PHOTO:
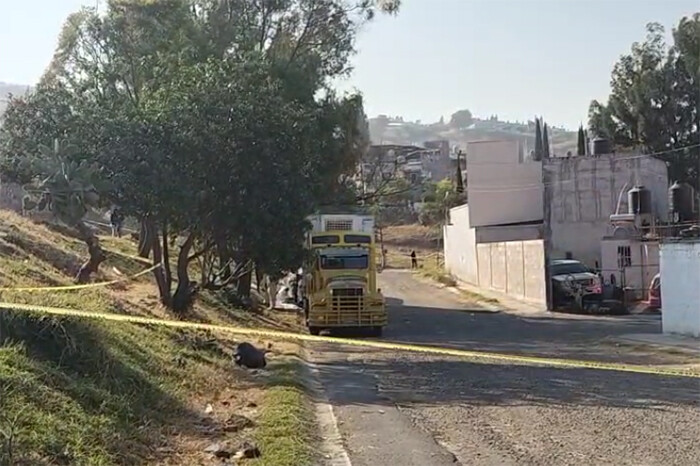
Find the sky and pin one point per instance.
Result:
(512, 58)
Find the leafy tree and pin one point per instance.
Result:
(459, 178)
(461, 119)
(581, 142)
(443, 196)
(653, 102)
(539, 150)
(545, 142)
(208, 124)
(70, 189)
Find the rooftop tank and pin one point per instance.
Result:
(639, 200)
(681, 202)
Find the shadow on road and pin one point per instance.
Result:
(439, 382)
(590, 339)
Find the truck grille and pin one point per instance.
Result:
(347, 299)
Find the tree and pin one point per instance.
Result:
(193, 113)
(69, 188)
(653, 104)
(459, 181)
(581, 142)
(461, 119)
(441, 196)
(545, 142)
(539, 148)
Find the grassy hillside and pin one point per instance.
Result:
(83, 392)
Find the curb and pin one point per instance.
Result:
(332, 449)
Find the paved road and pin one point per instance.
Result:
(424, 410)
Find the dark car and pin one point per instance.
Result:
(573, 283)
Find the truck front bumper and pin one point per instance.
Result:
(326, 318)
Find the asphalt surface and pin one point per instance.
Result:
(415, 409)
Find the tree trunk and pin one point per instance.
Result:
(159, 273)
(97, 255)
(259, 277)
(145, 238)
(167, 274)
(243, 285)
(224, 253)
(182, 299)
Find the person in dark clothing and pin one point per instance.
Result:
(414, 260)
(117, 220)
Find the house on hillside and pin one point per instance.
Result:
(415, 164)
(496, 240)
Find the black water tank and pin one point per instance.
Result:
(639, 200)
(681, 202)
(601, 146)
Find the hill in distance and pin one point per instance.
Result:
(394, 130)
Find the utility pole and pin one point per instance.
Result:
(547, 234)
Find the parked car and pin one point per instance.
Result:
(571, 280)
(655, 292)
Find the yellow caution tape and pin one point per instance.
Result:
(143, 260)
(274, 334)
(80, 287)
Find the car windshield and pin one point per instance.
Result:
(569, 267)
(344, 262)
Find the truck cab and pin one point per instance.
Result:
(340, 282)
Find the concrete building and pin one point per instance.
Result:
(585, 191)
(680, 286)
(439, 164)
(505, 212)
(494, 241)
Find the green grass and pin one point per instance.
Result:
(286, 425)
(84, 392)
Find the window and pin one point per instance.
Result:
(358, 239)
(339, 225)
(344, 262)
(325, 239)
(568, 268)
(624, 257)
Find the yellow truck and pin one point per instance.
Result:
(340, 276)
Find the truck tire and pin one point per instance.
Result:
(314, 330)
(376, 331)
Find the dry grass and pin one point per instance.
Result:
(74, 391)
(400, 240)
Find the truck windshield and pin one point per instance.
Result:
(569, 268)
(344, 262)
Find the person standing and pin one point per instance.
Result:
(414, 260)
(117, 220)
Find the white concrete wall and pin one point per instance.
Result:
(638, 274)
(585, 191)
(680, 287)
(515, 268)
(503, 186)
(459, 240)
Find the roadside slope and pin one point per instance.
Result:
(74, 391)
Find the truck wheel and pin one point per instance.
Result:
(376, 331)
(314, 330)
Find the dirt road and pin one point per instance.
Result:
(413, 409)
